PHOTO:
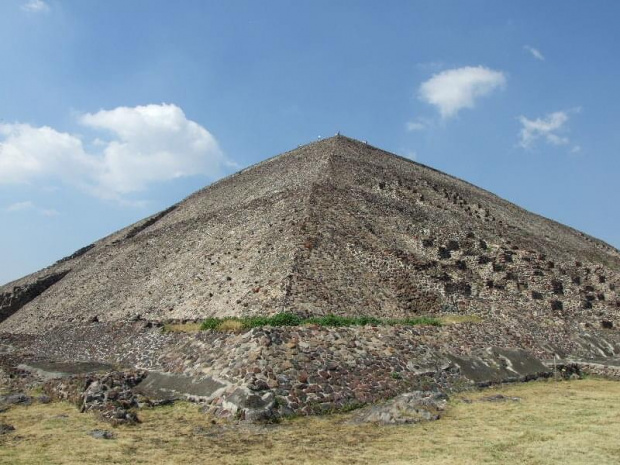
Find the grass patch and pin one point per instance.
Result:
(211, 323)
(458, 319)
(236, 324)
(335, 320)
(576, 422)
(233, 326)
(181, 328)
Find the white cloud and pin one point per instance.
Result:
(146, 144)
(416, 125)
(36, 6)
(549, 128)
(153, 143)
(535, 52)
(49, 212)
(20, 206)
(28, 153)
(30, 206)
(454, 89)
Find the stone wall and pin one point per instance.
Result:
(600, 369)
(274, 371)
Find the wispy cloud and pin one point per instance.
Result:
(455, 89)
(20, 206)
(535, 52)
(144, 145)
(417, 124)
(50, 212)
(30, 206)
(550, 128)
(36, 6)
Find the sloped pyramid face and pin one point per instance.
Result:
(336, 226)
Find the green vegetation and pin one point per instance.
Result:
(290, 319)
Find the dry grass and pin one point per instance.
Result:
(232, 326)
(182, 328)
(457, 319)
(575, 422)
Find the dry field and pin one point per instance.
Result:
(576, 422)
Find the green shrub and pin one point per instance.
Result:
(210, 323)
(255, 321)
(285, 319)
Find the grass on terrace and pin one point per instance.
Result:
(290, 319)
(235, 324)
(576, 422)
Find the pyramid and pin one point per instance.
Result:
(332, 227)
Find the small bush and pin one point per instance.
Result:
(210, 323)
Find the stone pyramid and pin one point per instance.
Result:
(333, 227)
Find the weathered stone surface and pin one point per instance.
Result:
(245, 404)
(14, 299)
(411, 407)
(170, 387)
(336, 227)
(102, 434)
(604, 367)
(110, 395)
(15, 399)
(312, 369)
(499, 365)
(51, 370)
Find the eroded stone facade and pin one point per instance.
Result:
(337, 227)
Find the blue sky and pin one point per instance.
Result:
(113, 110)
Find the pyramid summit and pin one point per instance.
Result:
(333, 227)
